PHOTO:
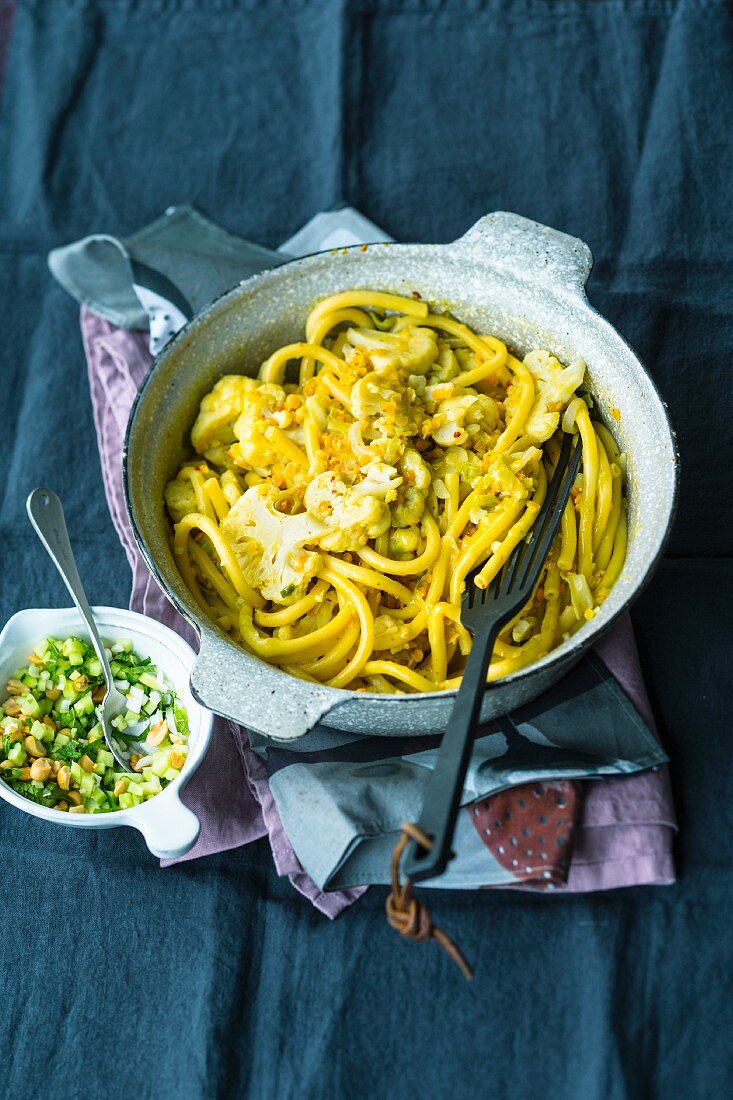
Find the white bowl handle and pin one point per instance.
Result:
(528, 251)
(169, 828)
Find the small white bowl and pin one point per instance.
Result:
(170, 829)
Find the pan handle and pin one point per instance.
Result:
(264, 699)
(529, 251)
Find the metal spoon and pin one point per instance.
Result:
(47, 516)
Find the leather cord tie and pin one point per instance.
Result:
(410, 917)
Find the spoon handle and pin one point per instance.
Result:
(47, 516)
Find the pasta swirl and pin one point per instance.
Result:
(337, 503)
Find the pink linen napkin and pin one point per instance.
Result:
(229, 793)
(625, 825)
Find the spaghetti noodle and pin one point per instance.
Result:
(331, 516)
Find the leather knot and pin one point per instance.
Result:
(410, 917)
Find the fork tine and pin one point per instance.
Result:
(554, 503)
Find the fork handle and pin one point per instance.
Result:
(443, 794)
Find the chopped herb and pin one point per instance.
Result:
(181, 719)
(288, 590)
(73, 751)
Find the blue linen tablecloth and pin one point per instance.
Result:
(611, 120)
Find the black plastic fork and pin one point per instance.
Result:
(483, 613)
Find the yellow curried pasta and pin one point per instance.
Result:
(337, 503)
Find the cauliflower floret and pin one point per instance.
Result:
(260, 409)
(348, 518)
(380, 480)
(413, 350)
(446, 367)
(415, 471)
(179, 497)
(230, 487)
(451, 416)
(269, 545)
(213, 429)
(410, 504)
(369, 396)
(554, 386)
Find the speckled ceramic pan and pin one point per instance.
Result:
(508, 276)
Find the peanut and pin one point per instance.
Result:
(25, 774)
(33, 746)
(14, 687)
(6, 765)
(80, 682)
(63, 777)
(61, 806)
(120, 787)
(11, 708)
(53, 693)
(87, 763)
(40, 769)
(34, 659)
(99, 693)
(74, 797)
(157, 733)
(77, 810)
(177, 759)
(49, 722)
(55, 767)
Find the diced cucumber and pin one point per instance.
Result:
(84, 705)
(77, 772)
(41, 731)
(60, 740)
(171, 774)
(94, 666)
(17, 754)
(161, 762)
(28, 705)
(126, 800)
(105, 758)
(87, 784)
(149, 680)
